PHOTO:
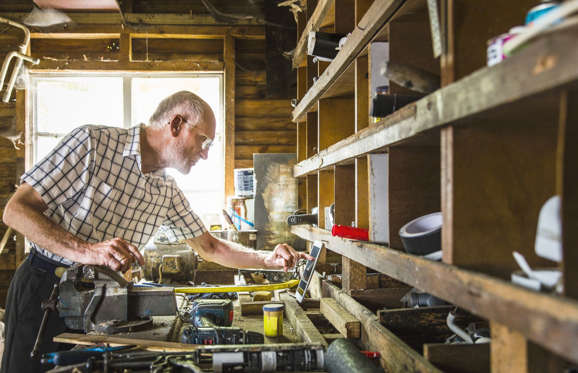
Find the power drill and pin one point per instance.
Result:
(211, 321)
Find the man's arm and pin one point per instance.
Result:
(233, 255)
(24, 213)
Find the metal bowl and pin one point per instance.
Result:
(423, 235)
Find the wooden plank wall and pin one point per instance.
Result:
(262, 124)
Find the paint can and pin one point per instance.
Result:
(273, 319)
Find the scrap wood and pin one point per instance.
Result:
(145, 344)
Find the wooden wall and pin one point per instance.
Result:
(262, 124)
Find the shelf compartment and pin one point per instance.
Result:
(396, 356)
(322, 16)
(550, 321)
(526, 82)
(373, 20)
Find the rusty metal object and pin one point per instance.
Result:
(90, 296)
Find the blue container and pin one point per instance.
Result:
(540, 9)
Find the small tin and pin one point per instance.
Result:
(273, 319)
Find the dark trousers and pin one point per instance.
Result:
(30, 285)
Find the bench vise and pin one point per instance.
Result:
(97, 298)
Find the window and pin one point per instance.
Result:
(62, 102)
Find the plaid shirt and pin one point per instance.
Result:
(94, 188)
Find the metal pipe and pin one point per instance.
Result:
(19, 55)
(456, 329)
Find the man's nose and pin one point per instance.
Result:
(205, 153)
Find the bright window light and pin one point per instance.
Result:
(63, 102)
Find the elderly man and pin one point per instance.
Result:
(100, 194)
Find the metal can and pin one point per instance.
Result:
(273, 319)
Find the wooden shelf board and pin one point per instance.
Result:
(321, 17)
(549, 320)
(373, 20)
(526, 82)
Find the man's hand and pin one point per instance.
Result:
(116, 254)
(284, 256)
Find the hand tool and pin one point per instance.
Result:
(97, 298)
(211, 324)
(47, 306)
(300, 217)
(64, 358)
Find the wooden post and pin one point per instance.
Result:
(229, 58)
(567, 188)
(125, 48)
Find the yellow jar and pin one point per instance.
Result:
(273, 319)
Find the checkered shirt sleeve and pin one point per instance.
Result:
(181, 222)
(65, 171)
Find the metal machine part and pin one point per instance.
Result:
(302, 217)
(20, 56)
(211, 321)
(165, 261)
(343, 356)
(268, 358)
(472, 334)
(245, 358)
(91, 297)
(48, 306)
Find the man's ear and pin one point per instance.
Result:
(176, 124)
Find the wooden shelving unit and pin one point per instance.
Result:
(487, 150)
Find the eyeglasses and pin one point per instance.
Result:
(206, 144)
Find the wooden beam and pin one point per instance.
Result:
(263, 108)
(264, 137)
(317, 18)
(147, 344)
(302, 324)
(396, 356)
(255, 307)
(379, 298)
(567, 184)
(230, 111)
(115, 65)
(457, 358)
(549, 320)
(139, 19)
(247, 151)
(377, 15)
(340, 318)
(527, 83)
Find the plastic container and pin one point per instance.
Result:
(273, 319)
(541, 9)
(354, 233)
(423, 235)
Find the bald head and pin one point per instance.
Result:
(178, 102)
